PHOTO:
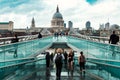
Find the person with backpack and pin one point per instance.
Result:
(82, 61)
(58, 59)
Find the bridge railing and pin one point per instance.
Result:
(7, 40)
(93, 38)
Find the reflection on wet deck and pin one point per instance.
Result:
(49, 74)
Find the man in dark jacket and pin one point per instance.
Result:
(114, 39)
(39, 35)
(47, 59)
(15, 39)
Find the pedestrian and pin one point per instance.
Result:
(14, 40)
(66, 56)
(82, 61)
(51, 57)
(70, 62)
(39, 35)
(114, 39)
(47, 57)
(58, 59)
(47, 60)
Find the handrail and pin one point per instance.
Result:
(100, 43)
(21, 42)
(16, 59)
(22, 63)
(104, 59)
(94, 41)
(7, 40)
(27, 36)
(104, 64)
(101, 63)
(95, 37)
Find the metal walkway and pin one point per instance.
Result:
(38, 71)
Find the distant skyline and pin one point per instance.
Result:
(79, 12)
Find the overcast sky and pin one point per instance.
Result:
(21, 12)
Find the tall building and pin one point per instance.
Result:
(101, 27)
(33, 23)
(107, 26)
(70, 24)
(6, 25)
(57, 19)
(88, 25)
(64, 25)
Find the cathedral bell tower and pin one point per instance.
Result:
(33, 23)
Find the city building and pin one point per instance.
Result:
(115, 27)
(101, 27)
(6, 25)
(88, 25)
(33, 23)
(28, 31)
(64, 25)
(6, 29)
(70, 24)
(107, 26)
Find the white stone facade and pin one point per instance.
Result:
(6, 25)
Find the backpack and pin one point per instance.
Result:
(82, 59)
(58, 59)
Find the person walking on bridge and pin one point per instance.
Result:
(82, 61)
(114, 39)
(58, 59)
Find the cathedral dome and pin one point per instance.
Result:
(57, 19)
(57, 15)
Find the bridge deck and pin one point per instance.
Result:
(49, 74)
